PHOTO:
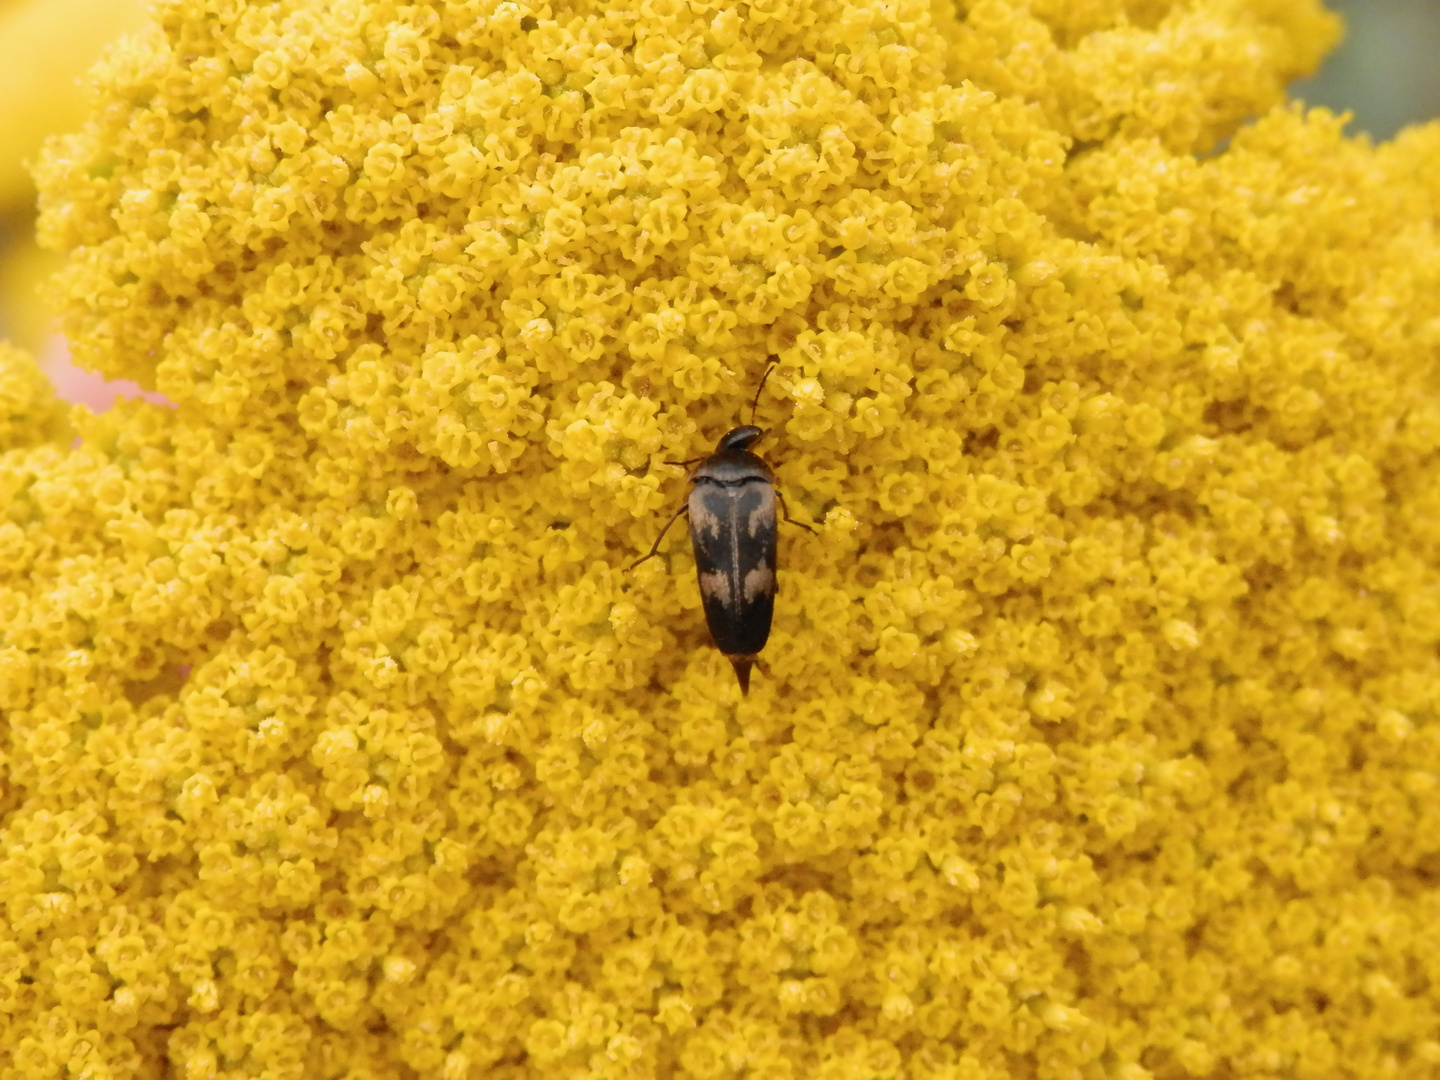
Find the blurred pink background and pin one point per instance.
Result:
(80, 387)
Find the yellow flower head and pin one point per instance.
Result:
(1097, 734)
(45, 48)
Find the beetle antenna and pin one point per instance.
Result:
(755, 404)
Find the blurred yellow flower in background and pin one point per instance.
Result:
(1098, 731)
(46, 47)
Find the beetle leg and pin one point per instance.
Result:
(656, 546)
(691, 461)
(759, 388)
(785, 510)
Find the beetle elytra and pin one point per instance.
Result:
(733, 531)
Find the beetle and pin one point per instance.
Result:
(733, 533)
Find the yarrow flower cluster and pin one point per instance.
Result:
(46, 46)
(1098, 732)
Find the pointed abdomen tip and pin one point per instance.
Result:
(742, 666)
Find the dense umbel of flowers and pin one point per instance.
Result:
(45, 48)
(1098, 732)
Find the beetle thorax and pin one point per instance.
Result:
(732, 467)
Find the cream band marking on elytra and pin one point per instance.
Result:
(716, 584)
(763, 516)
(702, 518)
(758, 582)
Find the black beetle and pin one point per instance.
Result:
(732, 529)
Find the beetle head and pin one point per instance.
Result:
(740, 438)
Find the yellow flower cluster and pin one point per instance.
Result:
(45, 48)
(1098, 733)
